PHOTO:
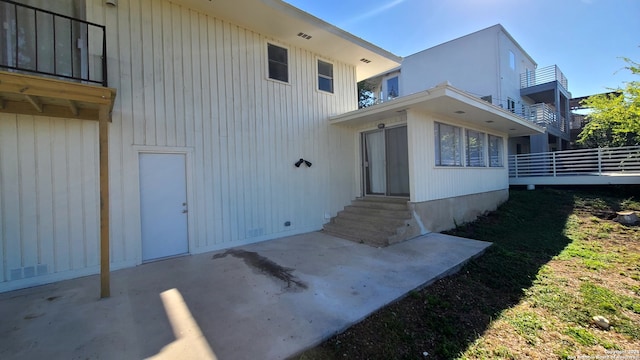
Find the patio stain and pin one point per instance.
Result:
(264, 265)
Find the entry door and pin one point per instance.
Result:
(163, 205)
(386, 162)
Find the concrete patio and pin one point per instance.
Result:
(269, 300)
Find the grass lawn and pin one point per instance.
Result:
(558, 259)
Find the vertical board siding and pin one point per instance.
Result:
(48, 196)
(185, 79)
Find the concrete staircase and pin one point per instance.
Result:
(375, 221)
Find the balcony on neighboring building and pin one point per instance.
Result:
(549, 87)
(52, 64)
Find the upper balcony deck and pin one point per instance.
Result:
(52, 64)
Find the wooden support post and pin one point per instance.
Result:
(103, 135)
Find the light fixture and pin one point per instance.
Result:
(111, 2)
(489, 121)
(381, 126)
(459, 112)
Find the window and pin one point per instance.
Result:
(325, 76)
(511, 105)
(393, 88)
(278, 63)
(512, 60)
(475, 148)
(448, 145)
(495, 151)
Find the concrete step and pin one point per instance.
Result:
(369, 237)
(389, 226)
(380, 204)
(378, 212)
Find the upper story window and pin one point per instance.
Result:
(495, 151)
(448, 145)
(511, 104)
(512, 60)
(278, 63)
(475, 148)
(393, 88)
(325, 76)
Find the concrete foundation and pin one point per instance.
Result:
(444, 214)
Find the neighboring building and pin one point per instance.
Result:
(491, 65)
(208, 108)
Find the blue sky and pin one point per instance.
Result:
(585, 38)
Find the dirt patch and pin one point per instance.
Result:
(265, 266)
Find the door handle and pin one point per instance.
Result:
(185, 211)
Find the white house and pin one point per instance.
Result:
(190, 130)
(490, 64)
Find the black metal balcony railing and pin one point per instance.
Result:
(543, 76)
(42, 42)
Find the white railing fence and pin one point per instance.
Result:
(596, 162)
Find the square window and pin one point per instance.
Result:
(495, 151)
(448, 145)
(475, 148)
(278, 63)
(325, 76)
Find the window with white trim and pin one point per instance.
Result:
(448, 145)
(475, 148)
(325, 76)
(278, 63)
(495, 151)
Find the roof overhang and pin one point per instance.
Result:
(283, 22)
(447, 102)
(37, 95)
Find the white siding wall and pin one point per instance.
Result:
(190, 82)
(429, 182)
(48, 197)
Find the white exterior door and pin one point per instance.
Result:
(163, 205)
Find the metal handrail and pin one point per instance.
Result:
(594, 162)
(21, 50)
(543, 76)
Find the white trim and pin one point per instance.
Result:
(317, 75)
(189, 158)
(268, 42)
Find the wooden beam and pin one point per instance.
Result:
(105, 262)
(35, 102)
(55, 89)
(73, 107)
(1, 103)
(59, 111)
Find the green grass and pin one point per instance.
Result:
(516, 285)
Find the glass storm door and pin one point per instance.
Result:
(386, 162)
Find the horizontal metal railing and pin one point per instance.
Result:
(46, 43)
(595, 162)
(543, 76)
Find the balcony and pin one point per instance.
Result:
(543, 76)
(545, 116)
(52, 64)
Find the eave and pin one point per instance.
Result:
(36, 95)
(447, 102)
(283, 22)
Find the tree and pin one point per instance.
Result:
(366, 96)
(614, 119)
